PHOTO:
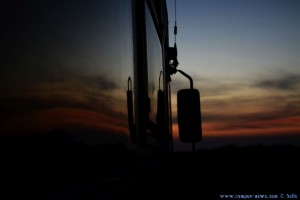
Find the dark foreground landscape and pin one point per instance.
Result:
(37, 168)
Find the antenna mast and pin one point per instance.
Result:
(175, 26)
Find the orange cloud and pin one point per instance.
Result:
(69, 118)
(272, 127)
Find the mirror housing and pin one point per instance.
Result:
(189, 115)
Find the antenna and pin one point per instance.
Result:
(175, 25)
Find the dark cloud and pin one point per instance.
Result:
(17, 105)
(272, 108)
(285, 82)
(87, 93)
(100, 82)
(293, 106)
(210, 87)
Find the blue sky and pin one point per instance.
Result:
(237, 38)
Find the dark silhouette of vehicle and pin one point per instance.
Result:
(151, 27)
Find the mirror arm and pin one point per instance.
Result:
(187, 76)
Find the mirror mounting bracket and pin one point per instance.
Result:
(187, 76)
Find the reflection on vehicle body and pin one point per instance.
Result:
(85, 89)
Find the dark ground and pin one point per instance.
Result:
(45, 169)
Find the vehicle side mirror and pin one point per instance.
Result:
(189, 115)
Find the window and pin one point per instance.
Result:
(155, 63)
(65, 66)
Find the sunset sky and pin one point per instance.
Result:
(67, 66)
(244, 57)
